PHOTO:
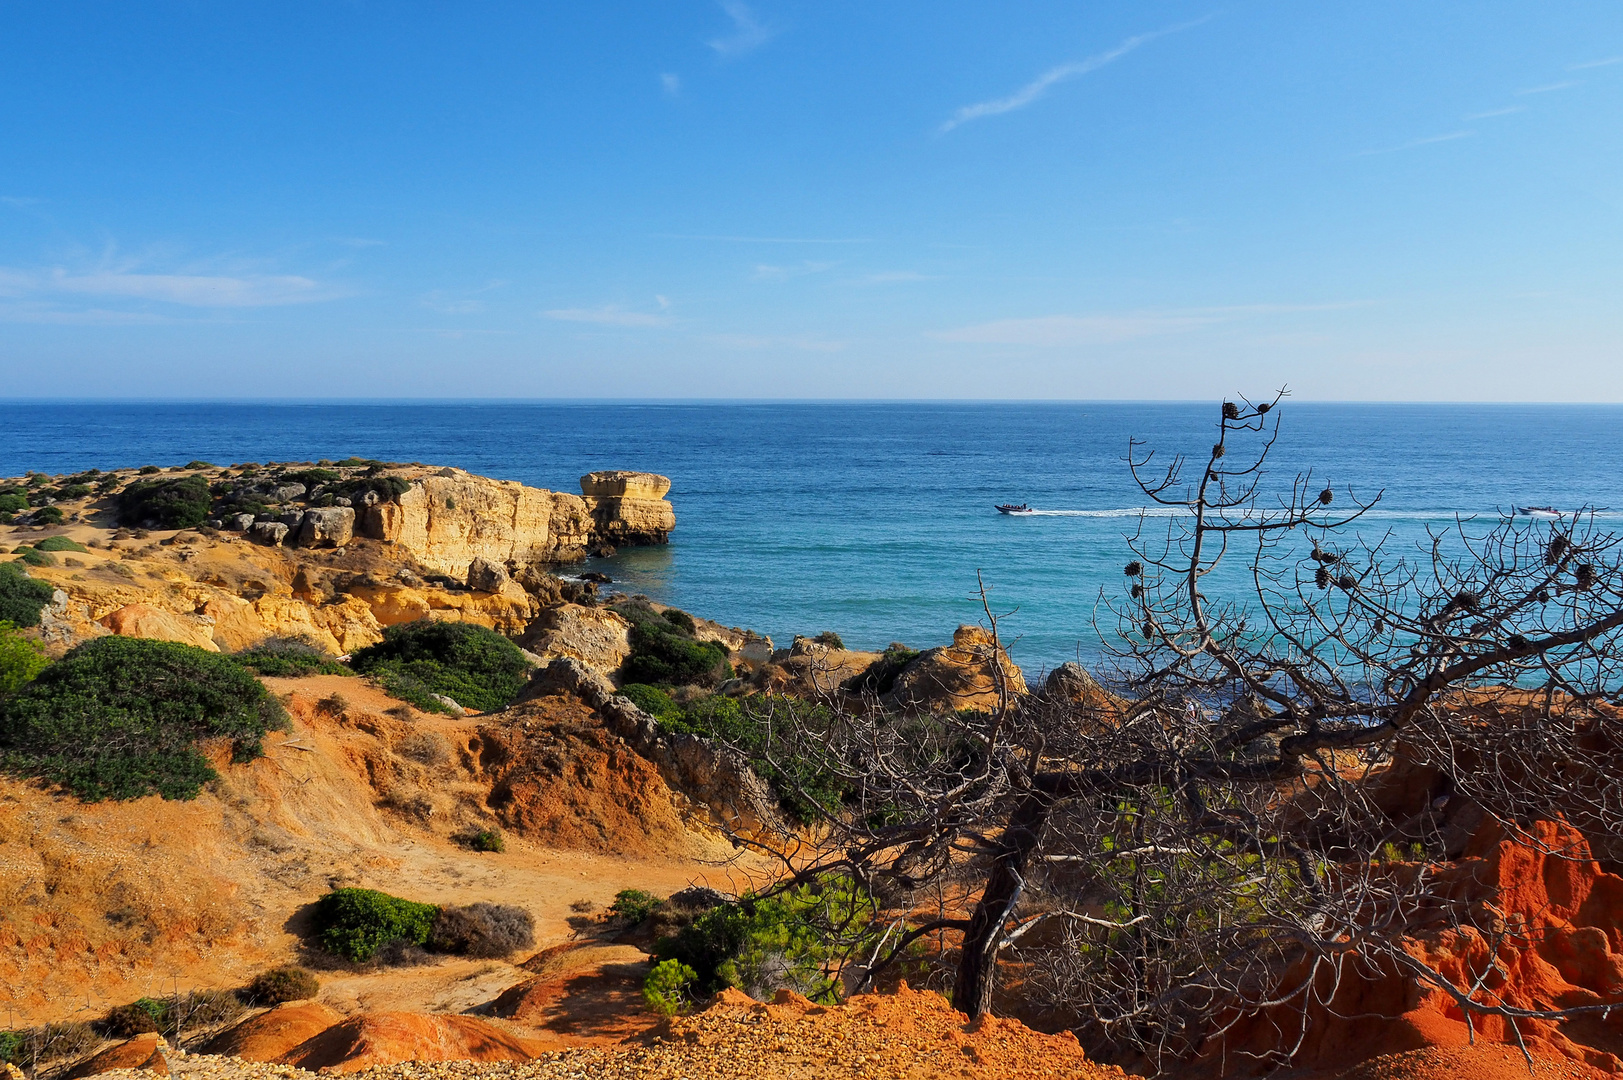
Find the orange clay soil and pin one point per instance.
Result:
(103, 903)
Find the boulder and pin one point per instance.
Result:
(621, 484)
(239, 522)
(144, 1051)
(1071, 682)
(386, 1038)
(968, 674)
(270, 1035)
(270, 533)
(598, 638)
(145, 621)
(328, 526)
(236, 624)
(486, 576)
(282, 493)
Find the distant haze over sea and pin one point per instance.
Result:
(872, 519)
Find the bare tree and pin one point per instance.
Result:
(1152, 866)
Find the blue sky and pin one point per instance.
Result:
(781, 198)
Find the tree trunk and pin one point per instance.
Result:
(977, 963)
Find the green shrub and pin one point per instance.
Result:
(353, 462)
(12, 502)
(669, 987)
(175, 1014)
(198, 465)
(282, 984)
(830, 639)
(473, 665)
(49, 515)
(179, 503)
(138, 1017)
(119, 718)
(59, 543)
(28, 1048)
(681, 620)
(356, 923)
(21, 660)
(288, 658)
(33, 556)
(483, 931)
(22, 598)
(763, 945)
(632, 906)
(388, 488)
(490, 840)
(74, 491)
(880, 676)
(148, 470)
(653, 701)
(406, 687)
(669, 659)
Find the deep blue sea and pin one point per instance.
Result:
(872, 519)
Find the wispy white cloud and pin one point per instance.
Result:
(1050, 331)
(607, 315)
(671, 83)
(1039, 86)
(1550, 89)
(797, 343)
(1412, 143)
(188, 290)
(1506, 111)
(1586, 65)
(765, 272)
(749, 33)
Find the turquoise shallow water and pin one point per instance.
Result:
(873, 519)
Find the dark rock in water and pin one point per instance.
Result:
(597, 578)
(601, 551)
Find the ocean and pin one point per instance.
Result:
(872, 520)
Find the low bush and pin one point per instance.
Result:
(12, 502)
(138, 1017)
(473, 665)
(282, 984)
(174, 1015)
(59, 543)
(668, 989)
(32, 556)
(148, 470)
(632, 906)
(489, 840)
(29, 1048)
(74, 491)
(764, 945)
(310, 477)
(356, 923)
(653, 701)
(484, 931)
(880, 676)
(831, 639)
(49, 515)
(21, 660)
(288, 658)
(388, 488)
(22, 598)
(198, 464)
(119, 718)
(179, 503)
(664, 652)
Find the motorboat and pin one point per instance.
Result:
(1011, 508)
(1538, 511)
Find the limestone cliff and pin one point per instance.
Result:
(449, 518)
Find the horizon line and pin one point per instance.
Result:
(740, 401)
